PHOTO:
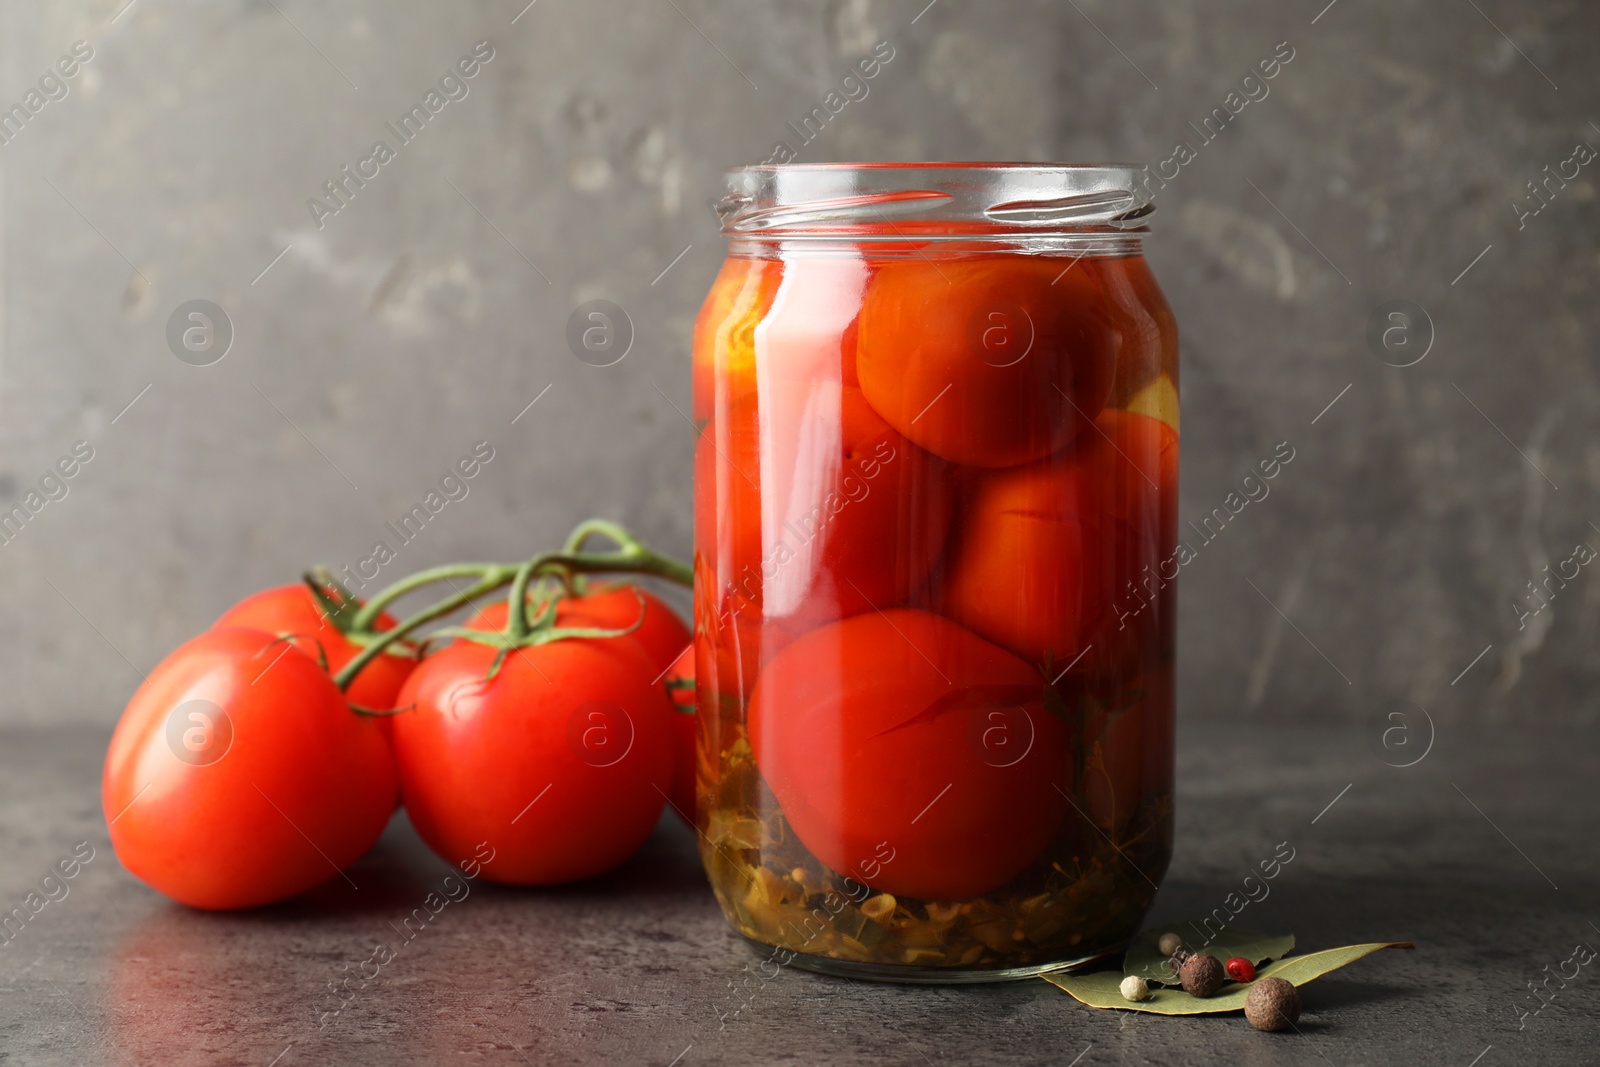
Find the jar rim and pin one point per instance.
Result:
(800, 200)
(937, 164)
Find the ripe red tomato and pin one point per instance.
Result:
(237, 775)
(560, 763)
(990, 361)
(901, 734)
(613, 606)
(667, 645)
(291, 609)
(1044, 555)
(680, 692)
(819, 510)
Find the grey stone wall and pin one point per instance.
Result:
(374, 345)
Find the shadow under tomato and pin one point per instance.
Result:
(401, 869)
(667, 865)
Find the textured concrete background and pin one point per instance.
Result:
(427, 313)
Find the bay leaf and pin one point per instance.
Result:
(1145, 959)
(1102, 989)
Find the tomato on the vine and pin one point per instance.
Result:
(611, 606)
(666, 643)
(989, 361)
(293, 609)
(1048, 560)
(238, 776)
(561, 761)
(900, 734)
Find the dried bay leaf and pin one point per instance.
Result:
(1102, 989)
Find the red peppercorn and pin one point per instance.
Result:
(1241, 969)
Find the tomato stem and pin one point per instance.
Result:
(338, 605)
(517, 604)
(631, 556)
(365, 619)
(493, 577)
(643, 560)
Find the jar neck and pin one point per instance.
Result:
(893, 209)
(906, 246)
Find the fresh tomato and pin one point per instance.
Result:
(815, 509)
(989, 361)
(561, 762)
(1049, 560)
(238, 776)
(666, 643)
(680, 692)
(292, 610)
(613, 606)
(911, 754)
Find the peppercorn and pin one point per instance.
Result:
(1176, 962)
(1169, 943)
(1201, 974)
(1135, 988)
(1273, 1004)
(1241, 969)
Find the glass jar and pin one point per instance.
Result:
(935, 534)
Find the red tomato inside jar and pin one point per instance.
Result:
(935, 552)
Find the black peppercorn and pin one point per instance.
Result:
(1175, 963)
(1202, 975)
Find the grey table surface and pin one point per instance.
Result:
(1482, 853)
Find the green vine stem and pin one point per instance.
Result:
(517, 600)
(631, 556)
(336, 601)
(365, 619)
(493, 578)
(583, 531)
(631, 550)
